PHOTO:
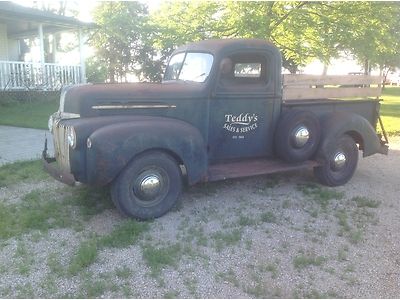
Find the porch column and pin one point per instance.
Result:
(82, 56)
(41, 43)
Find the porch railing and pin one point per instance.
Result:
(15, 75)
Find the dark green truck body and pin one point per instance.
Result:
(210, 127)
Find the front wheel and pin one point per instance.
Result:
(148, 187)
(340, 159)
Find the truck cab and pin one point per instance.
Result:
(220, 112)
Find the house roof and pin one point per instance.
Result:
(23, 21)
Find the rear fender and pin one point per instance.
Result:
(114, 146)
(336, 124)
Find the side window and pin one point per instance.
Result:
(243, 72)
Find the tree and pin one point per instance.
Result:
(302, 30)
(121, 41)
(372, 32)
(284, 23)
(129, 40)
(96, 72)
(175, 24)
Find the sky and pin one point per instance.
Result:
(86, 6)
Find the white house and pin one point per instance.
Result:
(17, 24)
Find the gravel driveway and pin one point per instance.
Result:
(279, 236)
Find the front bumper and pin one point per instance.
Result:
(50, 166)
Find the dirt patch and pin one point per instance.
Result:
(263, 237)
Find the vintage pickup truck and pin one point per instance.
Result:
(223, 110)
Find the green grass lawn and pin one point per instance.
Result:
(390, 110)
(35, 114)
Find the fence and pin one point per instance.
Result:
(36, 76)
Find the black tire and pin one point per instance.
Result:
(286, 146)
(134, 198)
(329, 173)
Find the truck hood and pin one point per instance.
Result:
(94, 99)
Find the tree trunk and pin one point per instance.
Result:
(366, 67)
(325, 70)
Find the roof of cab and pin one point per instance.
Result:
(216, 46)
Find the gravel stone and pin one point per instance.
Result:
(226, 249)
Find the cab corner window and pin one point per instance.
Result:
(243, 72)
(247, 70)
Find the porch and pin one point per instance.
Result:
(15, 75)
(29, 54)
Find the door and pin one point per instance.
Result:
(242, 108)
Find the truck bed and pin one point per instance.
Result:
(367, 108)
(326, 93)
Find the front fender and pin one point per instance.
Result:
(336, 124)
(114, 146)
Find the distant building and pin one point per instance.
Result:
(19, 23)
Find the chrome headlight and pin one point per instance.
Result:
(71, 137)
(50, 124)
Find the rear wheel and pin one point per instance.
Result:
(340, 162)
(148, 187)
(297, 135)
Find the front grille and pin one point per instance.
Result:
(61, 147)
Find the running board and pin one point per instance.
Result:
(245, 168)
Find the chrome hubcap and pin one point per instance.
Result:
(339, 160)
(301, 137)
(150, 186)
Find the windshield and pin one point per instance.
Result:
(189, 67)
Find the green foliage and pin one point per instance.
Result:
(18, 172)
(171, 295)
(303, 261)
(34, 114)
(269, 217)
(131, 40)
(314, 294)
(36, 212)
(320, 195)
(343, 220)
(86, 255)
(25, 291)
(390, 110)
(96, 70)
(228, 276)
(93, 288)
(90, 200)
(372, 32)
(365, 202)
(123, 272)
(246, 221)
(124, 235)
(158, 258)
(121, 41)
(54, 264)
(302, 30)
(226, 239)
